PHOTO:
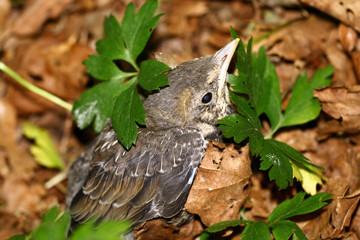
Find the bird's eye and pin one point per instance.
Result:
(206, 98)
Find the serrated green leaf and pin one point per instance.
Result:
(273, 108)
(294, 155)
(284, 229)
(151, 75)
(259, 84)
(129, 110)
(243, 65)
(104, 68)
(217, 227)
(274, 159)
(236, 85)
(303, 107)
(113, 46)
(97, 103)
(321, 77)
(297, 206)
(245, 110)
(241, 127)
(303, 169)
(43, 150)
(253, 79)
(137, 28)
(108, 230)
(256, 231)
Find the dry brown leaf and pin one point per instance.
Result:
(355, 56)
(341, 214)
(159, 229)
(47, 63)
(342, 105)
(347, 11)
(301, 140)
(348, 37)
(220, 187)
(179, 14)
(27, 24)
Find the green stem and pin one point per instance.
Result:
(274, 129)
(268, 34)
(34, 88)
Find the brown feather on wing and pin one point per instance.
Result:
(151, 180)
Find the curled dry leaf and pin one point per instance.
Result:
(220, 187)
(342, 214)
(342, 105)
(347, 11)
(348, 37)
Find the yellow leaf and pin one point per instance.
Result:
(309, 177)
(43, 148)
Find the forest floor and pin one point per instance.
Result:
(45, 41)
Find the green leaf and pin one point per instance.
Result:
(273, 108)
(151, 75)
(284, 229)
(233, 33)
(303, 107)
(106, 100)
(206, 236)
(321, 77)
(243, 64)
(43, 150)
(298, 206)
(217, 227)
(52, 226)
(256, 230)
(137, 28)
(97, 103)
(309, 177)
(294, 155)
(286, 159)
(241, 127)
(18, 237)
(236, 86)
(108, 230)
(273, 158)
(104, 68)
(129, 110)
(113, 46)
(253, 77)
(303, 170)
(259, 84)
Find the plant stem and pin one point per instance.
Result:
(34, 88)
(268, 34)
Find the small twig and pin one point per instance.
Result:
(56, 179)
(34, 88)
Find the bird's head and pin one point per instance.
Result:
(197, 95)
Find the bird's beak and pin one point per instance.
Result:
(223, 58)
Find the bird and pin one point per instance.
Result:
(153, 178)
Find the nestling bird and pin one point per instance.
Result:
(154, 177)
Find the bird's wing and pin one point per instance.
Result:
(151, 180)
